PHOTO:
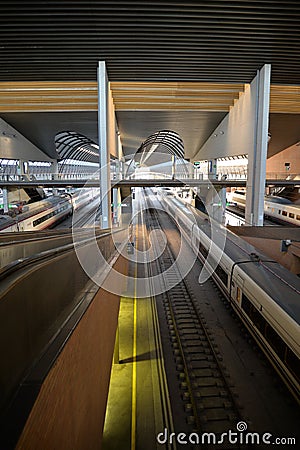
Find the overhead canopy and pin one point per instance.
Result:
(74, 146)
(162, 141)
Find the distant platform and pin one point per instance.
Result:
(267, 232)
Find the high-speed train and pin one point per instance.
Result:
(265, 295)
(81, 198)
(46, 213)
(277, 208)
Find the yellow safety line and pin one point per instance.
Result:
(133, 398)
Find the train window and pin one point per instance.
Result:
(49, 215)
(298, 217)
(273, 338)
(258, 320)
(222, 274)
(246, 304)
(284, 213)
(293, 363)
(292, 215)
(275, 341)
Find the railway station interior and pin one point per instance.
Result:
(149, 224)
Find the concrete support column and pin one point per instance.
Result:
(54, 174)
(54, 169)
(123, 169)
(214, 205)
(212, 169)
(116, 206)
(105, 195)
(120, 158)
(5, 200)
(119, 169)
(254, 214)
(222, 195)
(173, 167)
(22, 167)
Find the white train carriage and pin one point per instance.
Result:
(282, 212)
(265, 295)
(277, 208)
(39, 215)
(83, 197)
(46, 213)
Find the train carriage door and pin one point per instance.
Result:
(239, 289)
(237, 286)
(238, 295)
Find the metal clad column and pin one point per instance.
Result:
(54, 176)
(54, 170)
(254, 214)
(119, 174)
(105, 207)
(212, 169)
(222, 194)
(5, 200)
(116, 206)
(173, 166)
(21, 167)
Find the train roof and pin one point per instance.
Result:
(42, 205)
(269, 198)
(4, 219)
(278, 282)
(34, 208)
(276, 199)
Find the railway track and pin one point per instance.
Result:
(208, 398)
(85, 219)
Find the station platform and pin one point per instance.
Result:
(138, 407)
(135, 414)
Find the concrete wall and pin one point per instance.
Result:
(271, 247)
(285, 131)
(276, 164)
(13, 145)
(268, 240)
(235, 134)
(70, 409)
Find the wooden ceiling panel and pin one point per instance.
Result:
(133, 96)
